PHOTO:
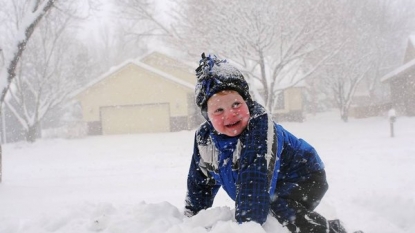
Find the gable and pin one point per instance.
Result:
(408, 67)
(134, 85)
(171, 66)
(156, 62)
(134, 81)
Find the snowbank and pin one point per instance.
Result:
(137, 183)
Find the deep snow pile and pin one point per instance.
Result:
(137, 183)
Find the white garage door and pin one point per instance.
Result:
(149, 118)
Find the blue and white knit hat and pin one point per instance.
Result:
(214, 75)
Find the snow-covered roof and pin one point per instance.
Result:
(139, 64)
(172, 53)
(405, 67)
(398, 71)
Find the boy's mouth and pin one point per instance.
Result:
(232, 124)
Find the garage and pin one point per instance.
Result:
(130, 119)
(150, 95)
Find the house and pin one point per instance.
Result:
(369, 103)
(402, 82)
(147, 95)
(290, 105)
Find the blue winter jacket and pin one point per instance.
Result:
(248, 166)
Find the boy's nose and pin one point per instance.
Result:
(232, 112)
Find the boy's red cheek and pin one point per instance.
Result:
(215, 119)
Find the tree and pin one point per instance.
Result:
(141, 19)
(47, 73)
(21, 18)
(277, 43)
(344, 81)
(25, 29)
(33, 14)
(391, 22)
(138, 25)
(370, 47)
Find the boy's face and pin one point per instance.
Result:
(228, 112)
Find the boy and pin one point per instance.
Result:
(262, 167)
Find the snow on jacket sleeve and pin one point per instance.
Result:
(252, 196)
(201, 189)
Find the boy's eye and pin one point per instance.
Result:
(218, 111)
(236, 105)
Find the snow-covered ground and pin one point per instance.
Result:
(136, 183)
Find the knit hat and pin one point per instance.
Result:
(214, 75)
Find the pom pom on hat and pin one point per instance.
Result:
(214, 75)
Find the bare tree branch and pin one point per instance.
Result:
(27, 29)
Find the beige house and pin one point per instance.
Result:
(290, 106)
(151, 94)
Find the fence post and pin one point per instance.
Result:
(392, 119)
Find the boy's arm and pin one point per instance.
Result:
(201, 190)
(252, 197)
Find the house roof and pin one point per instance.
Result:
(409, 63)
(139, 64)
(408, 67)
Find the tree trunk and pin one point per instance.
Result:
(345, 114)
(31, 133)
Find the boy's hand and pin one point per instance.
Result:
(188, 213)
